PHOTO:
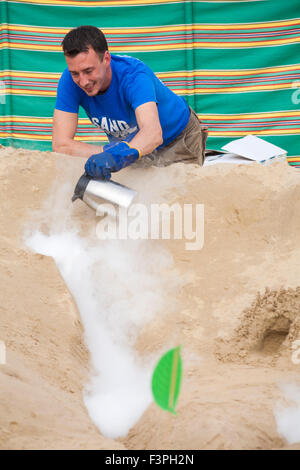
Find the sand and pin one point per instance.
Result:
(237, 312)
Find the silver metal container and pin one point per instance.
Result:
(96, 193)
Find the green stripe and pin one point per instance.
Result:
(36, 106)
(151, 15)
(102, 17)
(269, 10)
(167, 61)
(238, 103)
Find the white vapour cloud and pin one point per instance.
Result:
(288, 418)
(118, 287)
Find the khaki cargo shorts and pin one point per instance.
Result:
(188, 147)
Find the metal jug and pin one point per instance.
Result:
(96, 193)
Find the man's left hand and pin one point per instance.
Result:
(101, 165)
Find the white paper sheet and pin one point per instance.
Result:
(232, 158)
(254, 148)
(227, 158)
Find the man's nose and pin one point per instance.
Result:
(83, 81)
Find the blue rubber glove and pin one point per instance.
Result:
(109, 146)
(118, 156)
(113, 143)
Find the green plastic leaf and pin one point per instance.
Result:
(166, 380)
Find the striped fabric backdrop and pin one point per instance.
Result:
(237, 63)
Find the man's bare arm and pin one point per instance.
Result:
(64, 130)
(149, 136)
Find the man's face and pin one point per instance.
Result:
(89, 72)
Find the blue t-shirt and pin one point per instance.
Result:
(133, 83)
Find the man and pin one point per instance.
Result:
(144, 120)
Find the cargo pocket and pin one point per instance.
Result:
(202, 129)
(193, 143)
(204, 134)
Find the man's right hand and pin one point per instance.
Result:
(63, 133)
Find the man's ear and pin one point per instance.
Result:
(106, 58)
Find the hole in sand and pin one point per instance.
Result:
(272, 342)
(266, 328)
(274, 337)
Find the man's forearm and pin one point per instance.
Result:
(77, 149)
(147, 140)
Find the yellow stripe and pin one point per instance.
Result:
(232, 89)
(104, 3)
(18, 91)
(13, 45)
(203, 45)
(39, 120)
(45, 120)
(265, 115)
(27, 120)
(241, 72)
(257, 132)
(179, 46)
(40, 75)
(154, 29)
(25, 136)
(15, 135)
(33, 29)
(133, 148)
(92, 138)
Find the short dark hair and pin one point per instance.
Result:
(80, 39)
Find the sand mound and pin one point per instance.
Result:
(236, 314)
(267, 328)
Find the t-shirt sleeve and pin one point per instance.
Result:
(140, 89)
(67, 98)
